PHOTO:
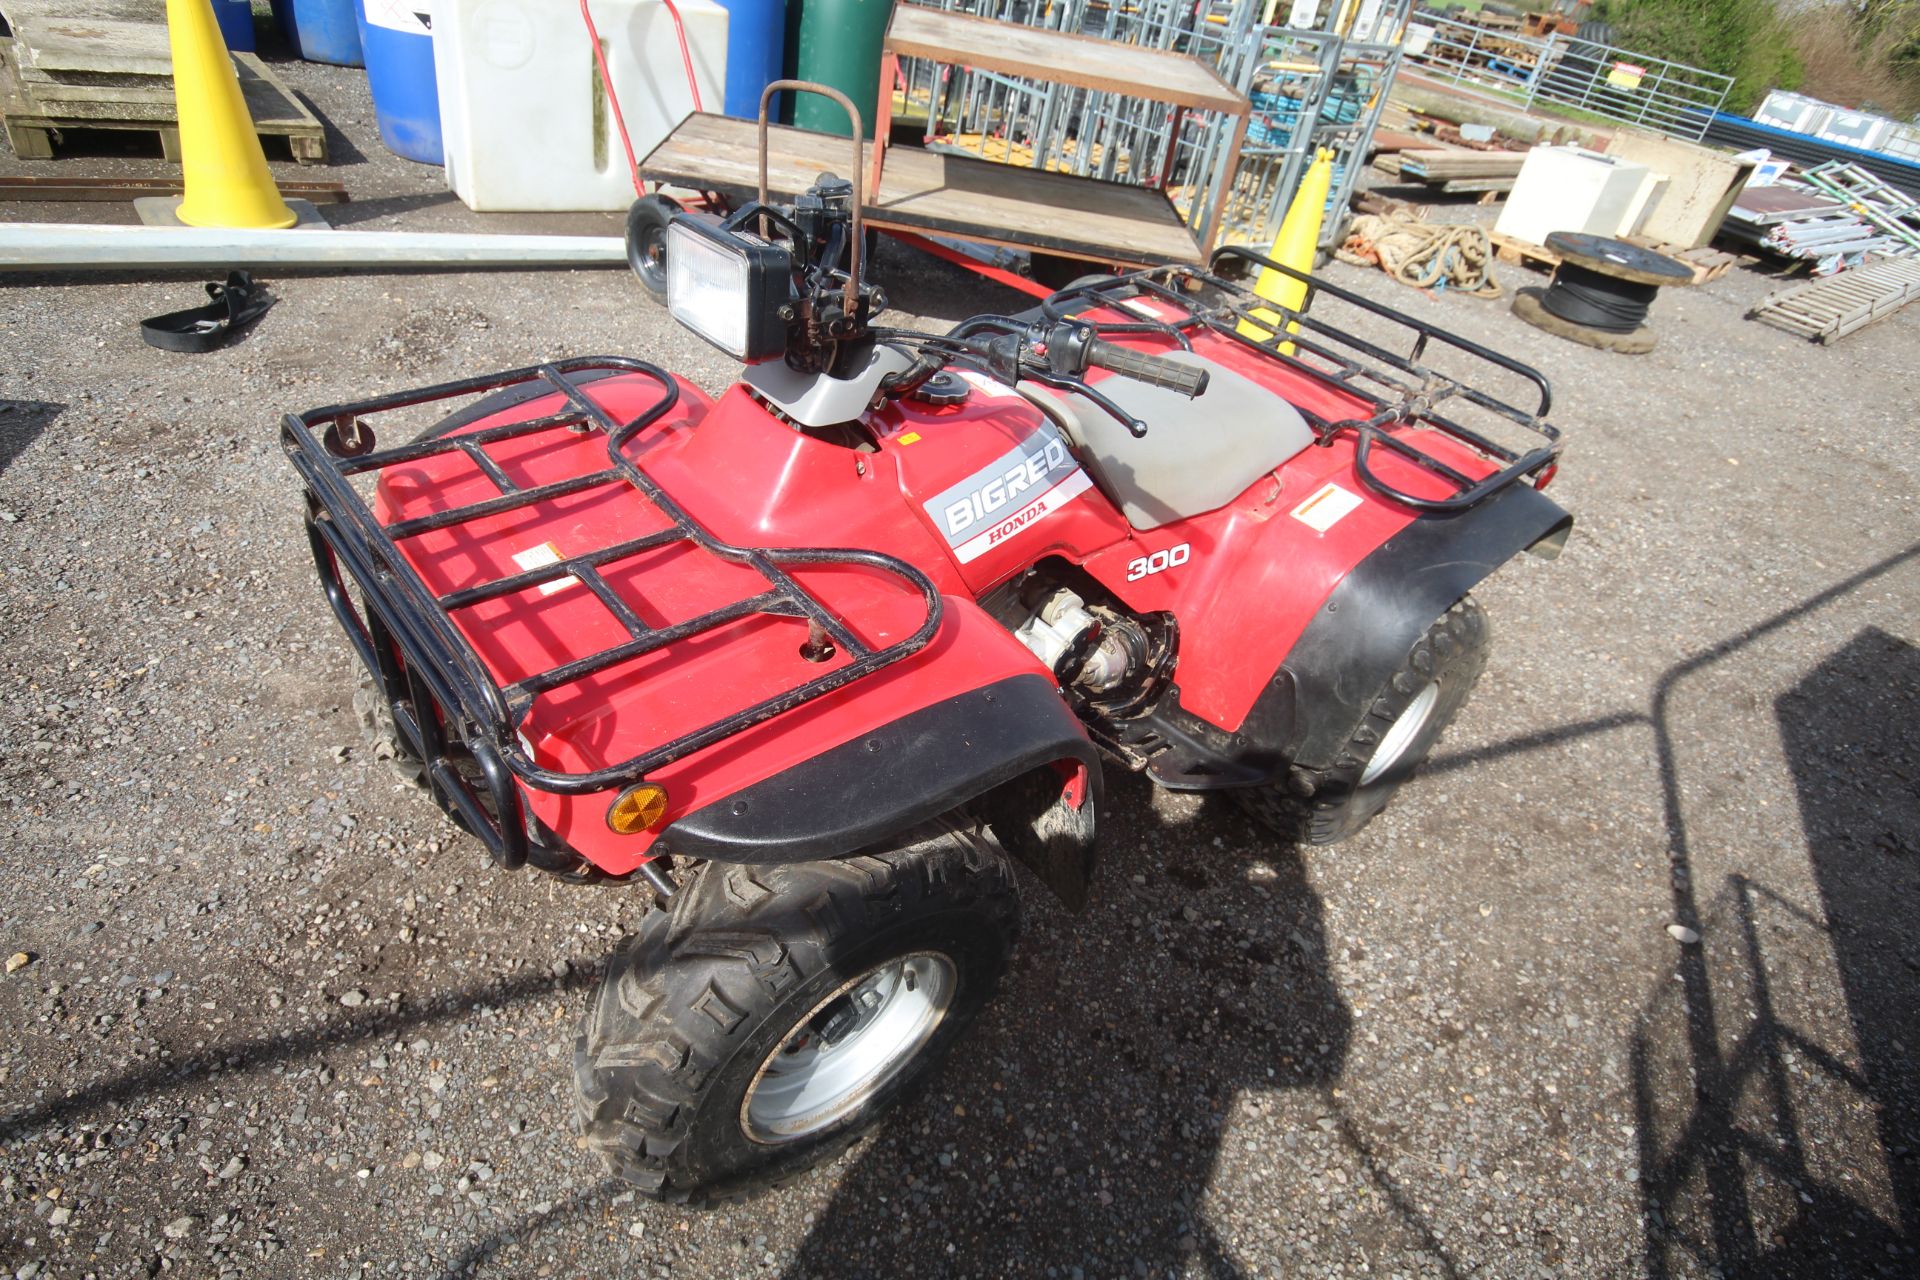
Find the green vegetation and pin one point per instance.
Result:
(1863, 53)
(1746, 39)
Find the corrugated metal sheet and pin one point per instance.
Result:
(1738, 131)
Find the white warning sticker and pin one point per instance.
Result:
(539, 558)
(1326, 508)
(1152, 310)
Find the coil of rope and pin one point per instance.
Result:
(1426, 255)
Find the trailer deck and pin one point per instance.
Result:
(933, 193)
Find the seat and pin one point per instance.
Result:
(1197, 455)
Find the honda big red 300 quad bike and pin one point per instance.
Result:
(816, 661)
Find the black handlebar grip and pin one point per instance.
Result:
(1156, 370)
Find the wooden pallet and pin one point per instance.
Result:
(1516, 252)
(33, 125)
(1707, 264)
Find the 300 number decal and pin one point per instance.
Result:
(1159, 562)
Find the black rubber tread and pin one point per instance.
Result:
(649, 216)
(381, 735)
(1057, 271)
(694, 1001)
(1454, 650)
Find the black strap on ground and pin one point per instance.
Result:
(1607, 303)
(236, 304)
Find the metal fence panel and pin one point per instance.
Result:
(1582, 77)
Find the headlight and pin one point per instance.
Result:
(728, 286)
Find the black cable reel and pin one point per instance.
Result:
(1601, 292)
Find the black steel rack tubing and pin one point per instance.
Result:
(440, 663)
(1417, 396)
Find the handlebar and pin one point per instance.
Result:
(1056, 353)
(1153, 370)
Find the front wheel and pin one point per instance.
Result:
(773, 1014)
(1407, 715)
(647, 242)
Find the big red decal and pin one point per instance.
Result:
(1008, 495)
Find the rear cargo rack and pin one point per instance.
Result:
(1399, 389)
(436, 682)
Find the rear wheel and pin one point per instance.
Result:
(1409, 712)
(382, 735)
(647, 241)
(773, 1014)
(1057, 271)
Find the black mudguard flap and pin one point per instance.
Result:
(858, 794)
(1371, 620)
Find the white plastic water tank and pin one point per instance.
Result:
(523, 116)
(1573, 189)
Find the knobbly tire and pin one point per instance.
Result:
(1408, 714)
(382, 737)
(695, 1041)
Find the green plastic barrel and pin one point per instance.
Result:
(837, 42)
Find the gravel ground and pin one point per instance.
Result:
(1625, 983)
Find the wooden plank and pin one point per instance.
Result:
(94, 44)
(1702, 185)
(1085, 62)
(927, 191)
(88, 86)
(120, 190)
(1456, 164)
(275, 110)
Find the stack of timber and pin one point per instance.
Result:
(1457, 169)
(61, 73)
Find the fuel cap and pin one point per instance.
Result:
(943, 388)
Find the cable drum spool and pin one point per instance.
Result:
(1601, 292)
(1580, 296)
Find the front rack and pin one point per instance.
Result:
(436, 682)
(1397, 389)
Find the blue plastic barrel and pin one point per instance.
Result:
(756, 44)
(321, 30)
(236, 24)
(398, 42)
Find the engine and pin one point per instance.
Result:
(1109, 661)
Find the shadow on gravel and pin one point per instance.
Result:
(1078, 1125)
(1763, 1147)
(21, 422)
(262, 1052)
(1080, 1134)
(1718, 1127)
(354, 211)
(1748, 1166)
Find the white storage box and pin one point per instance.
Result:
(523, 116)
(1572, 189)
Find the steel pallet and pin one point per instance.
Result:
(1827, 310)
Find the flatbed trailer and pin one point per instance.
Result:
(924, 192)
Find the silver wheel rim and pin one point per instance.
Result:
(1402, 732)
(847, 1047)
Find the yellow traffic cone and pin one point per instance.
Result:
(1295, 246)
(220, 158)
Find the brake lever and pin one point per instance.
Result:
(1100, 399)
(1055, 360)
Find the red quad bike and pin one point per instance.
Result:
(815, 662)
